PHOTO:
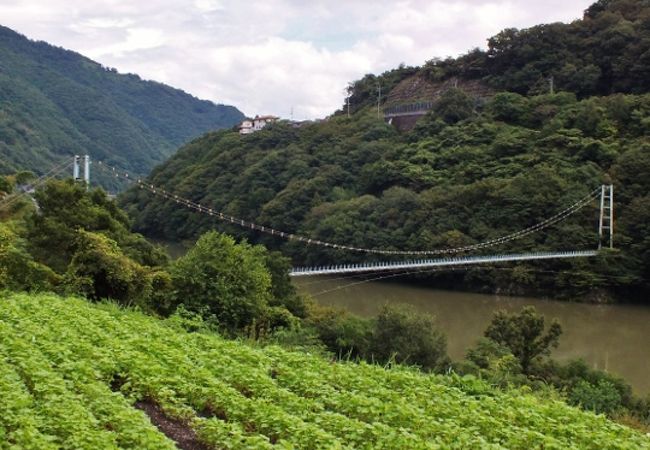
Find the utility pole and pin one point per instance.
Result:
(378, 98)
(346, 91)
(347, 99)
(551, 85)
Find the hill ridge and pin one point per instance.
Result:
(57, 102)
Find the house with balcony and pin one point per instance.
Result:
(249, 126)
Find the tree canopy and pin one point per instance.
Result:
(511, 164)
(524, 333)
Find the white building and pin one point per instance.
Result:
(249, 126)
(246, 127)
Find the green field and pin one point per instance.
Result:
(78, 376)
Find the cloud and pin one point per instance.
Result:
(274, 55)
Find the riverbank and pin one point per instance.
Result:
(610, 337)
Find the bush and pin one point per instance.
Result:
(601, 398)
(341, 333)
(18, 270)
(407, 336)
(486, 352)
(225, 279)
(99, 270)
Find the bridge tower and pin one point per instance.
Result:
(87, 170)
(606, 222)
(76, 168)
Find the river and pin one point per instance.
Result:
(615, 338)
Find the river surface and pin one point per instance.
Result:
(615, 338)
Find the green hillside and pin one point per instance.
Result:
(606, 52)
(54, 102)
(444, 185)
(467, 173)
(77, 376)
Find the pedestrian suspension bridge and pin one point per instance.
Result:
(421, 260)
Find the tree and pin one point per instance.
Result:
(523, 333)
(283, 292)
(222, 278)
(18, 270)
(6, 186)
(454, 105)
(65, 207)
(508, 107)
(405, 335)
(99, 270)
(24, 177)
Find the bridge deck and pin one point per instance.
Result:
(440, 262)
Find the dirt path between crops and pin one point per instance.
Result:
(176, 430)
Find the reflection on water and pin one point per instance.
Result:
(615, 338)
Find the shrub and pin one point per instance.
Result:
(18, 270)
(99, 270)
(223, 278)
(341, 332)
(601, 397)
(405, 335)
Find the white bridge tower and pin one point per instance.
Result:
(75, 168)
(606, 222)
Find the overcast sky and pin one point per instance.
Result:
(267, 57)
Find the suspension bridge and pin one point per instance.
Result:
(421, 260)
(434, 263)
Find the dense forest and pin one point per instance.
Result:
(606, 52)
(465, 174)
(55, 103)
(468, 172)
(443, 185)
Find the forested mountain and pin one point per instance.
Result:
(55, 102)
(467, 173)
(606, 52)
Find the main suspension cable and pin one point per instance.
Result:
(160, 192)
(53, 172)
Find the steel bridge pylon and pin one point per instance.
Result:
(606, 220)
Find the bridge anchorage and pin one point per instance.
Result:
(419, 258)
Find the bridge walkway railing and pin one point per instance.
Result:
(438, 262)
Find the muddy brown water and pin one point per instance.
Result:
(615, 338)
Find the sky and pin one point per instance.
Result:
(274, 56)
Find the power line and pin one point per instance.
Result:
(7, 201)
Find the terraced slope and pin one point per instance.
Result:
(78, 376)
